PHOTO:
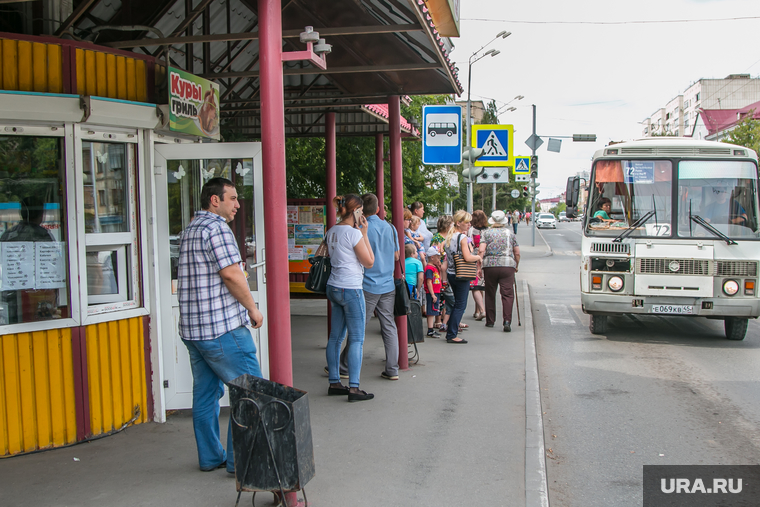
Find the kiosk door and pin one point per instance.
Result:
(181, 170)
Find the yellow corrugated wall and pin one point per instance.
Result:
(116, 373)
(37, 403)
(113, 76)
(30, 66)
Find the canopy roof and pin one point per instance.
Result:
(379, 48)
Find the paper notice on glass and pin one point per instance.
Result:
(292, 214)
(17, 261)
(295, 253)
(309, 234)
(50, 265)
(310, 250)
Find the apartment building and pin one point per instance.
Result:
(680, 114)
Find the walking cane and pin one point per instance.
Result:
(517, 301)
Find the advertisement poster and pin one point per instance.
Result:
(193, 104)
(311, 234)
(311, 215)
(292, 215)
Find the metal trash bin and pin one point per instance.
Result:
(271, 435)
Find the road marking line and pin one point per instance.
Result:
(559, 314)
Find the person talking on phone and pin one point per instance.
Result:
(379, 286)
(215, 308)
(350, 254)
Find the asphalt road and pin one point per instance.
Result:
(653, 390)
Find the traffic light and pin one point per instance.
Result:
(534, 167)
(525, 191)
(469, 156)
(533, 190)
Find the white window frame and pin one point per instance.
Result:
(133, 303)
(67, 133)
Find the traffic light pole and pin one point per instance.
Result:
(533, 183)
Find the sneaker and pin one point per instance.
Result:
(342, 375)
(433, 334)
(389, 377)
(507, 327)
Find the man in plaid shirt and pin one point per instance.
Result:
(215, 306)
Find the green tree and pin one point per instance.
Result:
(746, 133)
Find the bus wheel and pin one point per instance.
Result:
(597, 324)
(736, 329)
(432, 133)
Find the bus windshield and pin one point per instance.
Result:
(624, 192)
(722, 193)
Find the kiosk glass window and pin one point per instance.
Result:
(185, 179)
(108, 178)
(33, 250)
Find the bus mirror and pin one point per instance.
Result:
(571, 195)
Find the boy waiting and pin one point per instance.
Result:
(413, 269)
(433, 289)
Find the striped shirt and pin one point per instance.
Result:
(207, 310)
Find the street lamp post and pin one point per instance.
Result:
(491, 52)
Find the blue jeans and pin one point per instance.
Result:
(514, 227)
(461, 289)
(348, 314)
(213, 363)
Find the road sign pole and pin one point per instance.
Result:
(493, 198)
(469, 138)
(533, 180)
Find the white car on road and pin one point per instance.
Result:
(546, 220)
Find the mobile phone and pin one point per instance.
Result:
(357, 215)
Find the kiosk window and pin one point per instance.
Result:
(33, 251)
(108, 177)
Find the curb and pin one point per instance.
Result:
(536, 488)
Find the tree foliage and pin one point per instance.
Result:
(746, 133)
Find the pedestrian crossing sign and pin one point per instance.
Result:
(496, 141)
(522, 165)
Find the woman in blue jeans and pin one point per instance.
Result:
(458, 242)
(350, 252)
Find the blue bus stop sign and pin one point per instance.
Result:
(442, 135)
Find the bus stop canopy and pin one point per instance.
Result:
(379, 48)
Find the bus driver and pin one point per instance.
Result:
(721, 212)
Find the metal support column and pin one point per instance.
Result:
(380, 176)
(397, 208)
(533, 180)
(331, 187)
(331, 169)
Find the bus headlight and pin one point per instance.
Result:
(615, 283)
(730, 287)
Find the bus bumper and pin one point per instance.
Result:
(608, 304)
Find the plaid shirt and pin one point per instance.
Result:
(207, 310)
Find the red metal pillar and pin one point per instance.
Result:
(397, 209)
(331, 188)
(330, 159)
(380, 177)
(275, 196)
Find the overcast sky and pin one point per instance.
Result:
(598, 66)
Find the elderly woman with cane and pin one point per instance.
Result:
(501, 256)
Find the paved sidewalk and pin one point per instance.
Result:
(451, 431)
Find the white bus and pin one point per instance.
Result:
(670, 227)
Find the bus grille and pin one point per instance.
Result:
(662, 267)
(619, 248)
(736, 268)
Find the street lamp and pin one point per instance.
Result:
(491, 52)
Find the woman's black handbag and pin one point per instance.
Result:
(401, 304)
(319, 272)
